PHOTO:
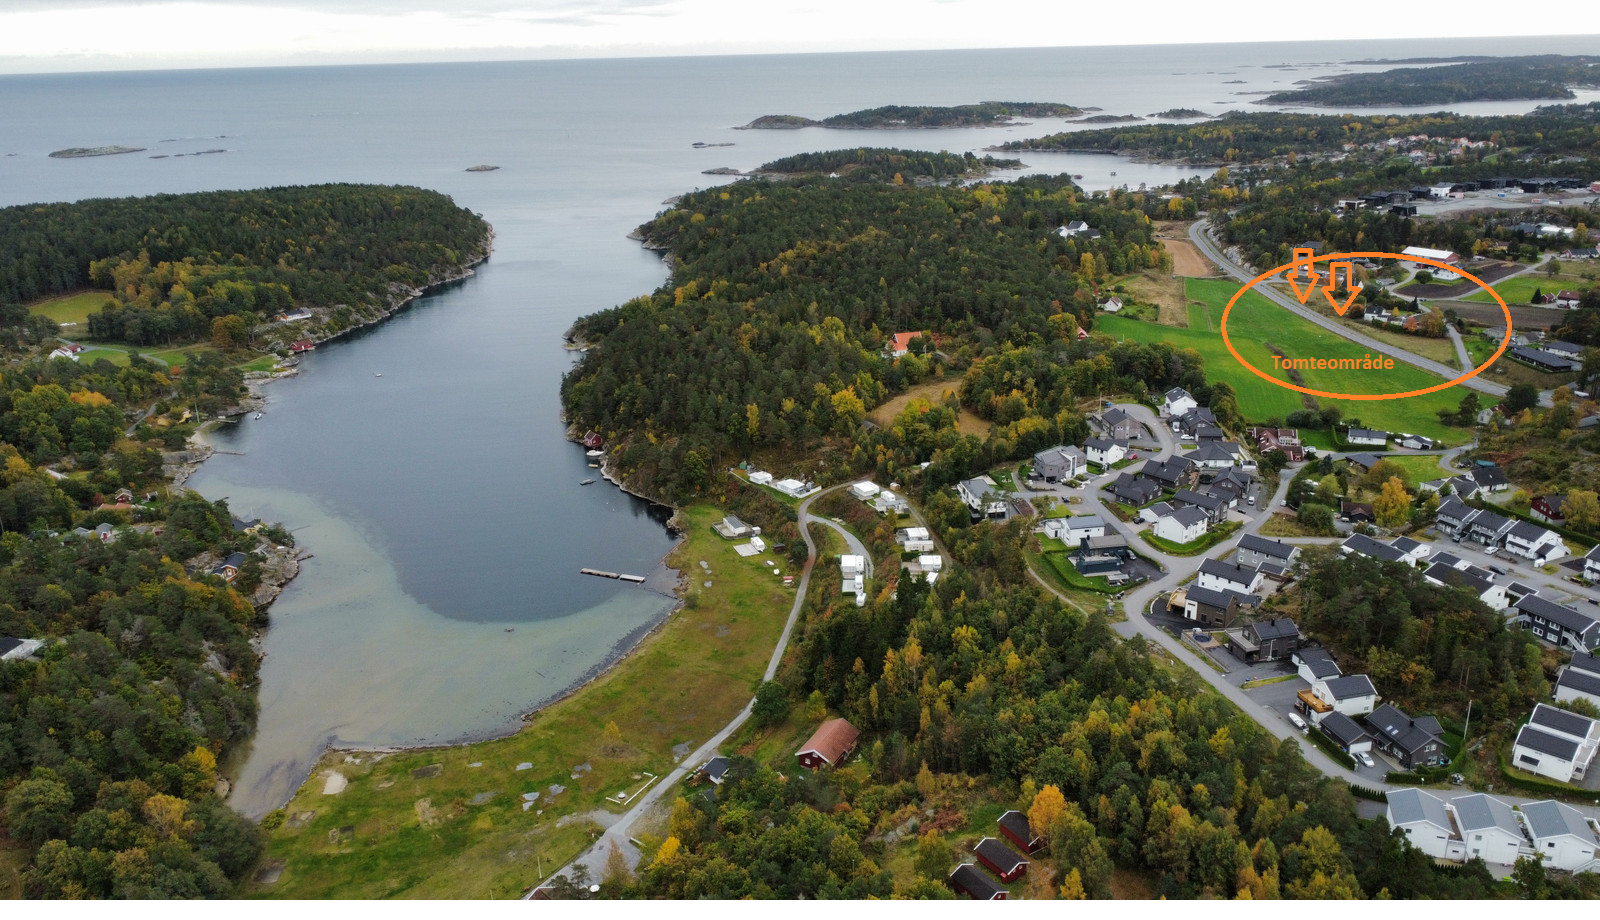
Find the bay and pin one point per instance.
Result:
(440, 501)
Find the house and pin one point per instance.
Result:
(68, 351)
(1422, 817)
(1489, 829)
(1215, 609)
(1586, 253)
(1535, 543)
(1014, 825)
(300, 346)
(1453, 515)
(1215, 506)
(1580, 679)
(1490, 478)
(1228, 576)
(1172, 473)
(1560, 626)
(1356, 512)
(1183, 525)
(1134, 490)
(1215, 455)
(900, 342)
(14, 649)
(829, 745)
(1417, 442)
(1105, 452)
(1284, 439)
(1564, 349)
(1176, 402)
(1437, 255)
(850, 566)
(227, 569)
(978, 493)
(1344, 732)
(1488, 528)
(1102, 556)
(1155, 512)
(1078, 529)
(1077, 228)
(1362, 545)
(1000, 859)
(1414, 742)
(1364, 460)
(1314, 664)
(1366, 437)
(1111, 304)
(715, 770)
(1539, 359)
(971, 881)
(1482, 585)
(1060, 463)
(1267, 640)
(1117, 424)
(1195, 418)
(1414, 551)
(1254, 550)
(761, 478)
(1568, 300)
(1349, 694)
(865, 490)
(793, 488)
(1231, 484)
(1550, 509)
(1556, 743)
(1462, 486)
(1561, 837)
(731, 528)
(1591, 564)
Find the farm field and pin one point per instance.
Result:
(1520, 289)
(1255, 323)
(73, 309)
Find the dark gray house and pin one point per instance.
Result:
(1135, 490)
(1172, 473)
(1267, 640)
(1118, 425)
(1060, 463)
(1417, 742)
(1254, 550)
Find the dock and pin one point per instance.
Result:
(599, 573)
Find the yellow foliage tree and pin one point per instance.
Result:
(1046, 809)
(1393, 503)
(1072, 887)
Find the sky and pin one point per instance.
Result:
(43, 36)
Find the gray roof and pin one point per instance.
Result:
(1560, 720)
(1279, 628)
(1545, 743)
(1413, 806)
(1116, 417)
(1579, 681)
(1102, 444)
(1366, 433)
(975, 882)
(1583, 661)
(1391, 722)
(1527, 530)
(1404, 544)
(1490, 476)
(978, 487)
(1242, 574)
(1366, 546)
(1341, 728)
(995, 851)
(1367, 460)
(1351, 686)
(1480, 812)
(1161, 509)
(1142, 488)
(1553, 819)
(1084, 522)
(1212, 597)
(7, 643)
(1188, 517)
(1319, 662)
(1259, 544)
(1565, 617)
(1201, 499)
(1458, 578)
(1595, 552)
(1455, 509)
(1177, 393)
(1488, 520)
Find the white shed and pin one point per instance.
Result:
(864, 490)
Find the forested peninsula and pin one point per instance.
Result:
(924, 116)
(143, 599)
(1545, 76)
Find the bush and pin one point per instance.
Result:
(1536, 784)
(1371, 795)
(1332, 750)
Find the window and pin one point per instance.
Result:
(1534, 761)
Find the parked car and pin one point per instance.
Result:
(1366, 759)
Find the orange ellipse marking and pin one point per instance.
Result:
(1223, 328)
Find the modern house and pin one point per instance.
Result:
(1422, 817)
(1267, 640)
(1214, 609)
(1562, 837)
(1488, 528)
(1413, 742)
(1490, 478)
(1350, 695)
(1117, 424)
(1414, 551)
(1105, 452)
(1228, 576)
(829, 745)
(1579, 680)
(1000, 859)
(1366, 437)
(1216, 455)
(1254, 550)
(1172, 473)
(1493, 595)
(1015, 827)
(1135, 490)
(1214, 506)
(1489, 829)
(1176, 402)
(1534, 543)
(865, 490)
(982, 497)
(1074, 530)
(731, 528)
(1417, 442)
(1556, 743)
(1060, 463)
(1183, 525)
(1560, 626)
(15, 649)
(973, 882)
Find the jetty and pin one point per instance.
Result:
(599, 573)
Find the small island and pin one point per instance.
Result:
(1181, 113)
(984, 114)
(1545, 76)
(1106, 120)
(74, 153)
(482, 168)
(884, 165)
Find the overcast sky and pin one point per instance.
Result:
(66, 35)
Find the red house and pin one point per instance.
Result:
(1014, 826)
(592, 440)
(302, 345)
(970, 881)
(1000, 859)
(1550, 508)
(829, 746)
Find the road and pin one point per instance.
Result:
(1202, 239)
(851, 540)
(594, 858)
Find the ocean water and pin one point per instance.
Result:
(440, 501)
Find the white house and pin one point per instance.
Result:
(1314, 664)
(914, 533)
(973, 492)
(851, 566)
(761, 478)
(1422, 817)
(1226, 576)
(792, 487)
(1105, 452)
(1366, 436)
(1177, 402)
(1489, 829)
(1414, 552)
(1352, 694)
(864, 490)
(1112, 304)
(1075, 228)
(931, 563)
(1556, 743)
(1530, 541)
(1074, 530)
(1591, 564)
(1579, 680)
(1183, 525)
(1561, 837)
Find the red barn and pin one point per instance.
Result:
(1014, 825)
(968, 880)
(302, 345)
(1000, 859)
(830, 745)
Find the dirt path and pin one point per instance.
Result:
(1187, 262)
(933, 391)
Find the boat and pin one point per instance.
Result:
(380, 375)
(1077, 175)
(1113, 172)
(594, 466)
(258, 415)
(596, 453)
(587, 482)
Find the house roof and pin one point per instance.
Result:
(1413, 806)
(1139, 488)
(1392, 724)
(1086, 521)
(1585, 662)
(1115, 416)
(1212, 597)
(902, 340)
(1366, 433)
(1017, 823)
(1534, 739)
(1102, 444)
(1405, 544)
(975, 882)
(1177, 393)
(1316, 660)
(1002, 857)
(1349, 508)
(1258, 544)
(1169, 470)
(1341, 728)
(1366, 546)
(1488, 520)
(1188, 516)
(716, 768)
(832, 740)
(1280, 628)
(1593, 554)
(7, 643)
(1243, 574)
(1559, 720)
(1459, 578)
(1553, 819)
(1479, 812)
(1351, 687)
(1368, 460)
(1487, 476)
(1202, 499)
(1566, 617)
(1529, 531)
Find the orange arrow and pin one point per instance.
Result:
(1333, 282)
(1311, 285)
(1302, 259)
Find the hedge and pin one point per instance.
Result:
(1371, 795)
(1405, 779)
(1541, 786)
(1332, 750)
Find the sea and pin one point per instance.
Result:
(422, 463)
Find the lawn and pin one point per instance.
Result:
(1256, 321)
(397, 831)
(1194, 547)
(1519, 290)
(1442, 350)
(1420, 468)
(90, 355)
(74, 308)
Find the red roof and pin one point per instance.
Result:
(832, 741)
(902, 340)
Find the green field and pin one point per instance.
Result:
(1420, 467)
(74, 308)
(1518, 290)
(1256, 321)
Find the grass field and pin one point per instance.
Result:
(1520, 289)
(1256, 321)
(74, 308)
(1509, 371)
(1420, 468)
(398, 832)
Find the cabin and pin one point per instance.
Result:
(301, 346)
(973, 882)
(1000, 859)
(829, 745)
(1015, 827)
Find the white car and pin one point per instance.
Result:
(1366, 759)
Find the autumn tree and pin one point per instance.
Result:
(1047, 808)
(1393, 503)
(1582, 509)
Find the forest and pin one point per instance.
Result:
(177, 264)
(1544, 76)
(884, 165)
(925, 116)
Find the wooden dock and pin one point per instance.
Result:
(599, 573)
